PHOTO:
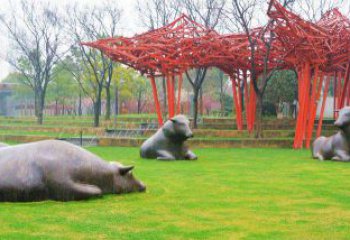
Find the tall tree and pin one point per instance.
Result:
(63, 90)
(129, 85)
(208, 13)
(88, 24)
(282, 87)
(242, 15)
(35, 34)
(217, 86)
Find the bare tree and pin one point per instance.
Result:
(208, 13)
(242, 15)
(34, 31)
(90, 24)
(154, 14)
(313, 10)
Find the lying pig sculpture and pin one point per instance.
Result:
(168, 142)
(336, 147)
(58, 170)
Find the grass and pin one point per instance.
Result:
(226, 194)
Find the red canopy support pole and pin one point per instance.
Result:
(335, 90)
(319, 90)
(339, 87)
(313, 108)
(172, 78)
(235, 100)
(178, 107)
(240, 104)
(246, 98)
(304, 90)
(345, 87)
(173, 81)
(348, 96)
(170, 95)
(307, 103)
(252, 106)
(156, 101)
(299, 70)
(325, 94)
(300, 98)
(253, 110)
(300, 83)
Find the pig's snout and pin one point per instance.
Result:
(142, 188)
(190, 135)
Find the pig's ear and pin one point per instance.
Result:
(125, 170)
(173, 120)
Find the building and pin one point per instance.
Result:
(6, 107)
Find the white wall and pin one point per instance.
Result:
(328, 112)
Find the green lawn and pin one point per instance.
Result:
(226, 194)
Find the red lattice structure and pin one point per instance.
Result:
(318, 51)
(182, 45)
(167, 51)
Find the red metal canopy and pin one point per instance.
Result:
(318, 51)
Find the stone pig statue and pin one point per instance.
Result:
(168, 142)
(58, 170)
(336, 147)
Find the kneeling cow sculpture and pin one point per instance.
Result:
(336, 147)
(59, 170)
(168, 142)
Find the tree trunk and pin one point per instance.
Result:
(195, 108)
(39, 106)
(36, 100)
(241, 88)
(222, 103)
(63, 107)
(165, 112)
(116, 102)
(139, 103)
(97, 107)
(56, 107)
(40, 111)
(201, 105)
(80, 110)
(96, 114)
(108, 103)
(259, 108)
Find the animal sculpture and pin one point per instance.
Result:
(58, 170)
(168, 142)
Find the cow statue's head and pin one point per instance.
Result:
(178, 128)
(343, 121)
